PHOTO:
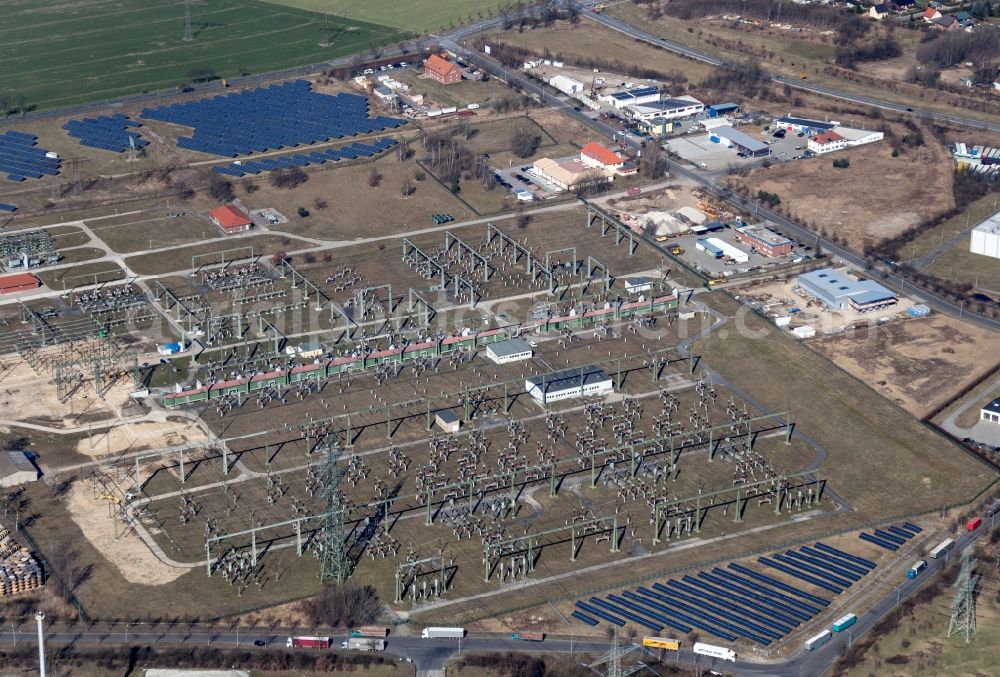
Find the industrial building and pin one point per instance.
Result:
(511, 350)
(858, 137)
(718, 249)
(438, 68)
(986, 237)
(565, 174)
(16, 468)
(793, 124)
(230, 219)
(632, 97)
(991, 412)
(681, 107)
(838, 291)
(719, 110)
(18, 282)
(840, 137)
(566, 85)
(764, 240)
(743, 143)
(560, 385)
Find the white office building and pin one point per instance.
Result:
(561, 385)
(511, 350)
(668, 109)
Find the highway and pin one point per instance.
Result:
(430, 655)
(691, 53)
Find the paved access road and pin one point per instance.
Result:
(691, 53)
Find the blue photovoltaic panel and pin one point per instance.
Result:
(801, 575)
(352, 151)
(778, 584)
(581, 617)
(878, 541)
(270, 118)
(843, 575)
(106, 132)
(836, 561)
(21, 159)
(4, 207)
(829, 549)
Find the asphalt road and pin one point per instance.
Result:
(691, 53)
(432, 654)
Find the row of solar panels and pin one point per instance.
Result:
(106, 132)
(892, 537)
(20, 158)
(350, 152)
(734, 603)
(268, 118)
(4, 207)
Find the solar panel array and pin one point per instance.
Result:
(737, 602)
(270, 118)
(21, 159)
(107, 132)
(892, 537)
(349, 152)
(4, 207)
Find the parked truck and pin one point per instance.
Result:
(370, 631)
(308, 642)
(364, 644)
(916, 569)
(443, 633)
(528, 636)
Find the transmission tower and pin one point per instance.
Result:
(333, 558)
(613, 660)
(963, 607)
(188, 33)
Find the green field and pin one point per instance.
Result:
(56, 53)
(422, 16)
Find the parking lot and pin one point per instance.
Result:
(518, 178)
(698, 149)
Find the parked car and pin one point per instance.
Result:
(259, 642)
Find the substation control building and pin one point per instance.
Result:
(511, 350)
(562, 385)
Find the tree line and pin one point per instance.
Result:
(847, 27)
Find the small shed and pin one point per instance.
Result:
(638, 284)
(169, 348)
(447, 420)
(16, 468)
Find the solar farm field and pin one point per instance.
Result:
(416, 15)
(56, 53)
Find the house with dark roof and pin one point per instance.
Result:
(878, 12)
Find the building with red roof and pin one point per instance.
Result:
(18, 282)
(826, 142)
(596, 155)
(442, 70)
(230, 219)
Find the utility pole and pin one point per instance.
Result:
(963, 607)
(188, 33)
(40, 620)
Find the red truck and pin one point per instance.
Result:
(973, 523)
(308, 642)
(370, 631)
(528, 636)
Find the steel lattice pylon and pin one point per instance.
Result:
(963, 607)
(333, 557)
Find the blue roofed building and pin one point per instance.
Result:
(793, 124)
(838, 291)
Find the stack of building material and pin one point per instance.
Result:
(20, 571)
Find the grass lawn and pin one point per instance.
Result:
(170, 260)
(879, 458)
(422, 16)
(56, 54)
(974, 214)
(958, 263)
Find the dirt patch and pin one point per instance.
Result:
(826, 199)
(20, 384)
(129, 555)
(919, 364)
(133, 437)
